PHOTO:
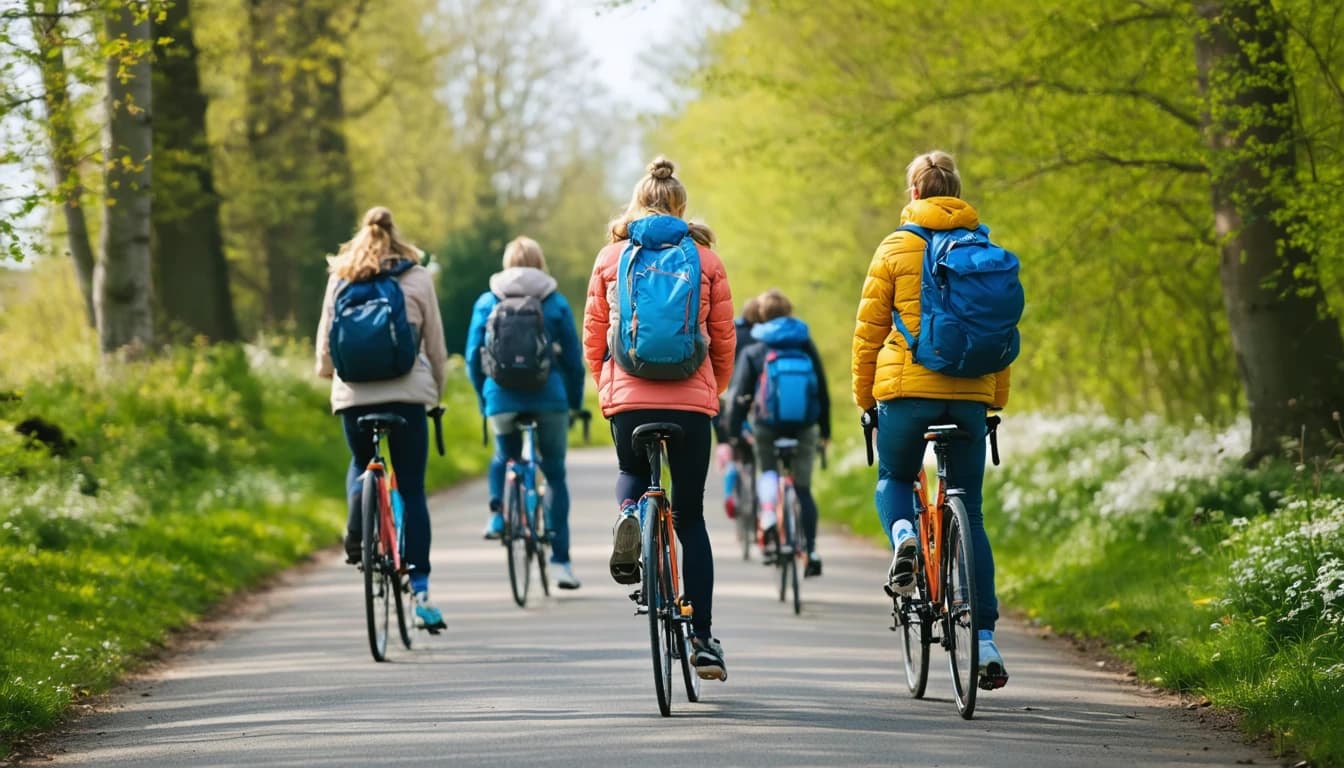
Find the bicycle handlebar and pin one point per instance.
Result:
(436, 414)
(586, 417)
(869, 423)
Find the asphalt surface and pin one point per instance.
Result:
(288, 679)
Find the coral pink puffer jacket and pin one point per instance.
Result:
(618, 390)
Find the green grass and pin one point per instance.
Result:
(190, 477)
(1208, 578)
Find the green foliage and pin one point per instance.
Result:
(1078, 134)
(1210, 579)
(172, 484)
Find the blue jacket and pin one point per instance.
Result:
(564, 388)
(780, 333)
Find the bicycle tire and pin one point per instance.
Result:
(405, 620)
(912, 614)
(376, 592)
(746, 509)
(658, 601)
(517, 549)
(960, 602)
(539, 538)
(682, 637)
(793, 534)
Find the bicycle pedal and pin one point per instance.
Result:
(635, 595)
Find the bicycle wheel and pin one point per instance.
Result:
(682, 649)
(746, 510)
(659, 600)
(540, 538)
(405, 621)
(912, 614)
(377, 590)
(517, 548)
(792, 548)
(959, 602)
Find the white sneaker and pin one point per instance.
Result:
(901, 575)
(564, 576)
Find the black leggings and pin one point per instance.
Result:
(688, 459)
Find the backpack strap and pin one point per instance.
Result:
(400, 267)
(896, 320)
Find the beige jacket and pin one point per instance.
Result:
(424, 384)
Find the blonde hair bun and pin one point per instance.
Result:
(661, 168)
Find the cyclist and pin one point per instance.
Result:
(378, 247)
(780, 333)
(908, 397)
(655, 217)
(732, 454)
(544, 356)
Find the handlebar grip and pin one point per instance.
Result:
(437, 415)
(993, 423)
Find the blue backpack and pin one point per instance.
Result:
(658, 289)
(786, 393)
(970, 301)
(371, 339)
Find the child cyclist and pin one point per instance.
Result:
(654, 222)
(781, 353)
(908, 397)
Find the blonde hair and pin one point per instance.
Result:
(657, 192)
(934, 174)
(773, 304)
(524, 252)
(377, 241)
(751, 311)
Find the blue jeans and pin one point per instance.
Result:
(900, 450)
(408, 448)
(552, 440)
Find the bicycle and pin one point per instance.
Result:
(385, 578)
(744, 493)
(526, 533)
(658, 595)
(792, 540)
(942, 606)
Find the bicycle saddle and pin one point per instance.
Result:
(649, 433)
(946, 432)
(379, 420)
(525, 419)
(786, 443)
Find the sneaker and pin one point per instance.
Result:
(901, 575)
(564, 576)
(770, 544)
(625, 547)
(354, 548)
(707, 658)
(495, 527)
(993, 674)
(427, 615)
(813, 565)
(730, 507)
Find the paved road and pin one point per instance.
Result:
(567, 682)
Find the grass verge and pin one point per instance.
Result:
(150, 491)
(1208, 578)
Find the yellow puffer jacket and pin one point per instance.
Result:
(882, 366)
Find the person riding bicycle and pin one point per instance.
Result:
(654, 223)
(523, 357)
(732, 453)
(378, 249)
(779, 387)
(908, 397)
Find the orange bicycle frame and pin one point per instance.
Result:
(930, 528)
(387, 532)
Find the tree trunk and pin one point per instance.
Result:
(271, 107)
(122, 280)
(64, 147)
(334, 214)
(191, 275)
(1289, 349)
